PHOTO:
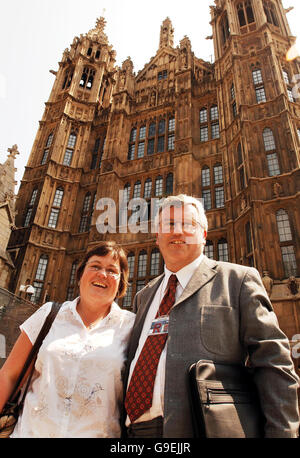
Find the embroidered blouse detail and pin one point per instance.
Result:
(76, 389)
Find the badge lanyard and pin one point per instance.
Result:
(160, 324)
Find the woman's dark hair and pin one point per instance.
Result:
(118, 253)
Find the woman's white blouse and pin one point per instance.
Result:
(76, 389)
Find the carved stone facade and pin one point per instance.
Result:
(7, 213)
(227, 132)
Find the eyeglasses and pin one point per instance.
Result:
(108, 272)
(186, 226)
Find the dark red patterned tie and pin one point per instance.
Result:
(140, 391)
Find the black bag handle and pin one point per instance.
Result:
(33, 353)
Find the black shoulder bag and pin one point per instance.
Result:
(224, 401)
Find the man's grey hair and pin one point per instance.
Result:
(180, 201)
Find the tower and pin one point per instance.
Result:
(260, 136)
(61, 173)
(166, 34)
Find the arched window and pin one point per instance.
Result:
(223, 250)
(87, 78)
(218, 174)
(151, 138)
(286, 243)
(68, 78)
(272, 158)
(70, 149)
(283, 225)
(49, 140)
(241, 14)
(214, 113)
(141, 143)
(271, 14)
(127, 300)
(248, 237)
(240, 159)
(30, 207)
(209, 249)
(269, 140)
(259, 85)
(289, 88)
(205, 176)
(169, 184)
(205, 183)
(56, 205)
(225, 29)
(72, 282)
(240, 168)
(245, 13)
(137, 190)
(155, 261)
(127, 191)
(47, 147)
(209, 130)
(171, 133)
(158, 186)
(142, 264)
(147, 195)
(131, 150)
(133, 134)
(219, 190)
(97, 152)
(233, 101)
(249, 244)
(40, 275)
(215, 130)
(161, 136)
(206, 196)
(203, 115)
(219, 197)
(85, 213)
(131, 262)
(289, 261)
(286, 77)
(148, 188)
(249, 12)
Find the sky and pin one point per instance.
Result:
(34, 34)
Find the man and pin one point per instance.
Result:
(209, 310)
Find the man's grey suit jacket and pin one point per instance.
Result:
(223, 314)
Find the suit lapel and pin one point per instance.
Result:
(205, 273)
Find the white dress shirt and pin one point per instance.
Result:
(183, 275)
(76, 389)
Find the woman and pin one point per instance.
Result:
(76, 389)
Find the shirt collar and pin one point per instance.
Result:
(185, 274)
(115, 309)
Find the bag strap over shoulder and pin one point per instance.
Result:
(34, 351)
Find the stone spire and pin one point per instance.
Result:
(166, 34)
(97, 33)
(7, 177)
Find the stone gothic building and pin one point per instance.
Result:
(227, 132)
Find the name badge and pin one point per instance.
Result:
(159, 326)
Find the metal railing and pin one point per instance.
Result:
(14, 310)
